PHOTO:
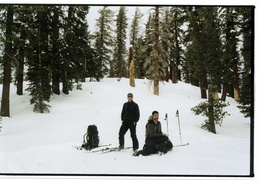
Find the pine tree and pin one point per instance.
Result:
(246, 96)
(140, 57)
(135, 27)
(7, 59)
(104, 41)
(206, 109)
(204, 50)
(38, 58)
(177, 20)
(155, 54)
(147, 48)
(230, 55)
(19, 46)
(195, 62)
(213, 50)
(77, 44)
(135, 39)
(246, 90)
(165, 41)
(56, 46)
(82, 44)
(119, 63)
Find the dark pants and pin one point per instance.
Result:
(124, 128)
(152, 144)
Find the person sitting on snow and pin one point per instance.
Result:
(156, 141)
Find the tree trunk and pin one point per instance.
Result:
(174, 74)
(177, 59)
(65, 89)
(203, 88)
(21, 63)
(8, 55)
(131, 67)
(166, 75)
(224, 92)
(156, 58)
(212, 127)
(65, 66)
(56, 59)
(236, 90)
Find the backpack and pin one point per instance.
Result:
(91, 138)
(169, 145)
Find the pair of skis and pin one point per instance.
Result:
(177, 115)
(110, 149)
(103, 149)
(81, 148)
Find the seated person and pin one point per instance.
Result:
(156, 141)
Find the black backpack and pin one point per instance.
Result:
(91, 138)
(169, 145)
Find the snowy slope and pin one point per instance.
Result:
(43, 143)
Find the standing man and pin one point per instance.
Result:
(129, 116)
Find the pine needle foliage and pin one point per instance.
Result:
(217, 109)
(104, 41)
(120, 51)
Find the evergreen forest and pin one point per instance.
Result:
(51, 47)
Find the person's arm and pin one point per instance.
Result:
(122, 112)
(137, 113)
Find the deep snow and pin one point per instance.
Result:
(33, 143)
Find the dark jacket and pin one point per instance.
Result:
(130, 112)
(152, 129)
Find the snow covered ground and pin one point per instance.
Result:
(33, 143)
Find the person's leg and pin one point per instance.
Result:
(123, 129)
(134, 136)
(149, 147)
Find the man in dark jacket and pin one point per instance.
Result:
(156, 141)
(129, 116)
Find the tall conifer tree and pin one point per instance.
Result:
(230, 35)
(120, 51)
(134, 40)
(7, 59)
(56, 47)
(177, 19)
(165, 41)
(246, 91)
(38, 59)
(104, 41)
(204, 50)
(155, 54)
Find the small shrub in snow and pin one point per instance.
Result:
(216, 113)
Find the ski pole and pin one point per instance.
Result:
(177, 115)
(166, 118)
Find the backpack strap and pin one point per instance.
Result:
(85, 138)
